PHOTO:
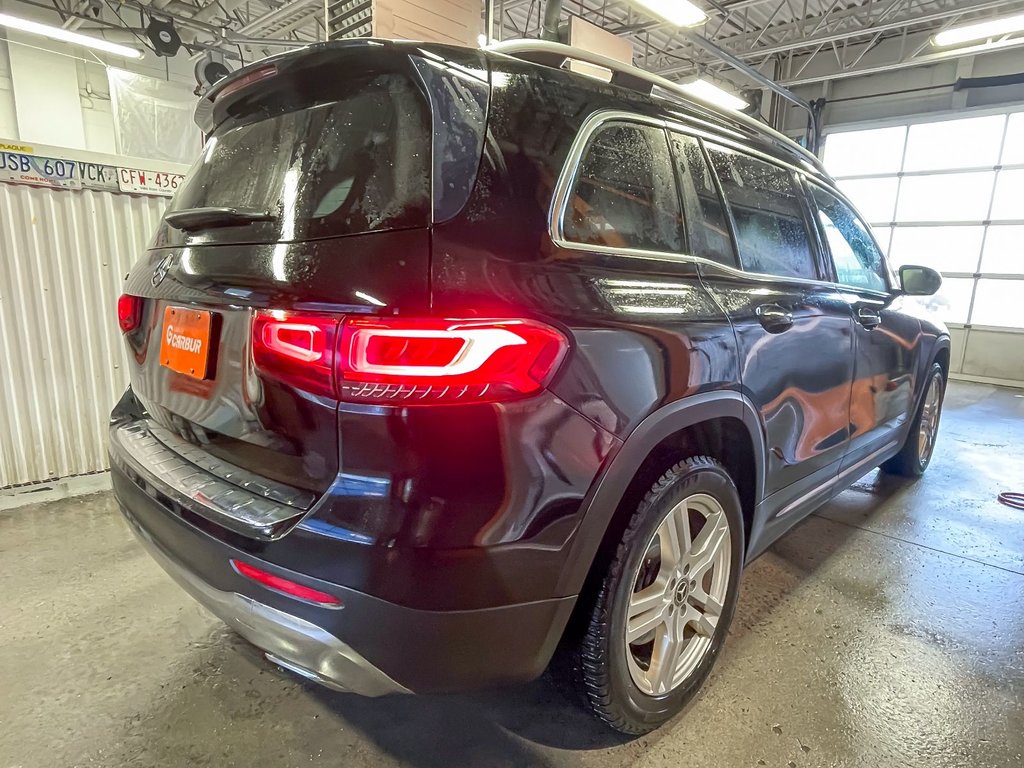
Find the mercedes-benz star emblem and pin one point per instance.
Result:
(162, 268)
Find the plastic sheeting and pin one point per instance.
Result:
(153, 118)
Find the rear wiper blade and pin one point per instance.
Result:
(193, 219)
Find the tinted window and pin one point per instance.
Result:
(765, 202)
(359, 163)
(706, 221)
(857, 259)
(458, 101)
(625, 193)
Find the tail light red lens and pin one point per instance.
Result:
(298, 349)
(129, 312)
(408, 361)
(285, 586)
(446, 361)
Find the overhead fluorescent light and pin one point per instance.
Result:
(67, 36)
(982, 30)
(682, 13)
(707, 91)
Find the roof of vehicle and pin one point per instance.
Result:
(663, 96)
(661, 91)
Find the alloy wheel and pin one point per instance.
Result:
(678, 595)
(929, 420)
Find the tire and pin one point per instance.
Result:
(916, 453)
(610, 672)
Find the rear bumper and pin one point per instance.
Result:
(370, 646)
(288, 640)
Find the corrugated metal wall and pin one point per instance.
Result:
(63, 255)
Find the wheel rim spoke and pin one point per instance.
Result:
(704, 623)
(646, 611)
(707, 603)
(710, 540)
(674, 535)
(664, 658)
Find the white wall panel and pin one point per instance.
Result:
(63, 256)
(46, 95)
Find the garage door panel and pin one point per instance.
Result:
(1004, 250)
(875, 199)
(945, 249)
(1013, 149)
(998, 303)
(995, 355)
(859, 153)
(945, 197)
(972, 142)
(1007, 203)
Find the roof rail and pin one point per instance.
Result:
(557, 54)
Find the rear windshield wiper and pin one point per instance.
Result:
(193, 219)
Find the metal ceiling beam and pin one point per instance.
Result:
(281, 12)
(799, 42)
(913, 60)
(213, 8)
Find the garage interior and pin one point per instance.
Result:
(887, 629)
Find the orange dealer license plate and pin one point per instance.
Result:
(185, 342)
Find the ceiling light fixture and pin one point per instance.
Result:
(66, 36)
(982, 30)
(682, 13)
(707, 91)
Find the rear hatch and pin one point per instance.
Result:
(313, 199)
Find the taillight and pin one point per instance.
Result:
(445, 361)
(298, 349)
(129, 312)
(286, 586)
(407, 361)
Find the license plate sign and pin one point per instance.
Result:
(185, 342)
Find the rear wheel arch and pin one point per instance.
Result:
(722, 425)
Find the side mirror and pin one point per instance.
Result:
(919, 281)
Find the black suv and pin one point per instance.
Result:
(444, 361)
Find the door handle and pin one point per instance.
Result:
(774, 318)
(869, 318)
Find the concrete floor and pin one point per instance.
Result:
(887, 630)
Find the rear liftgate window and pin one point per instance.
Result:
(360, 163)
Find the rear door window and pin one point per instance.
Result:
(357, 163)
(706, 222)
(767, 208)
(624, 194)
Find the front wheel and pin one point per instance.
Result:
(916, 454)
(666, 602)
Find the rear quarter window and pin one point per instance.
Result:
(624, 193)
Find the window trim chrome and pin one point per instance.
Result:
(570, 171)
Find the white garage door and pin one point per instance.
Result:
(948, 193)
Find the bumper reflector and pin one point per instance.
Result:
(286, 587)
